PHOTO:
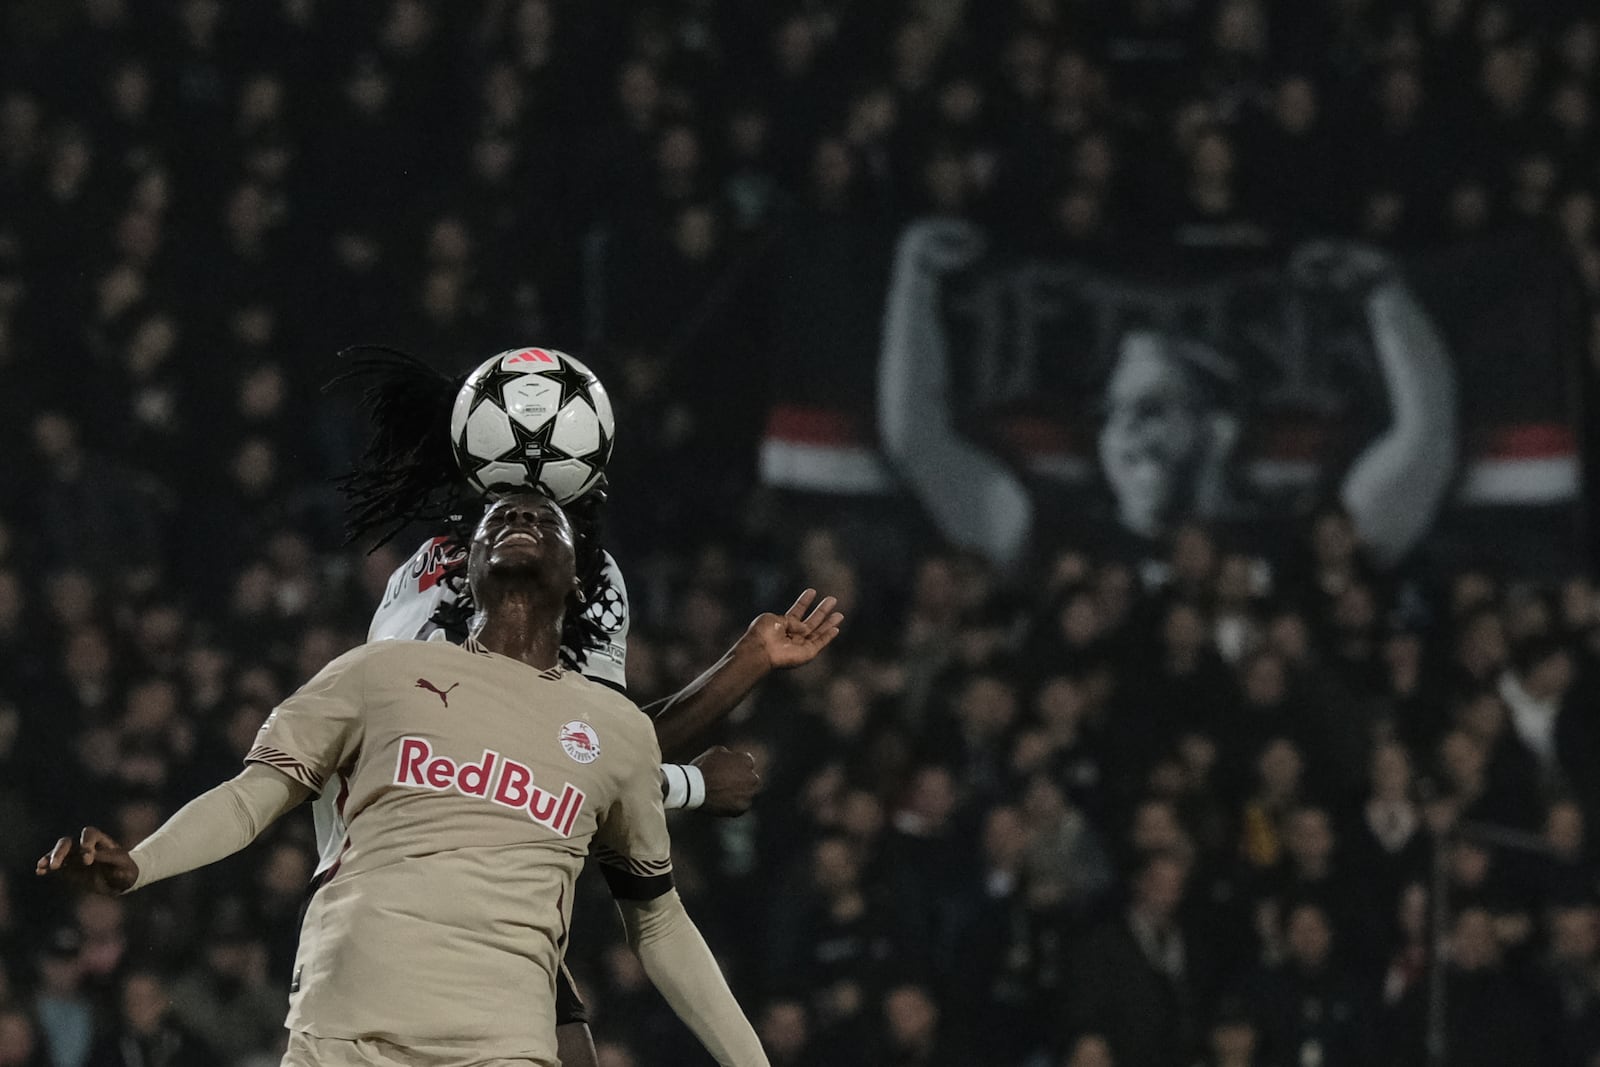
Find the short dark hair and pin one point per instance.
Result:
(1533, 651)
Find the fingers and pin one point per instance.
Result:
(802, 602)
(827, 631)
(90, 842)
(819, 616)
(52, 860)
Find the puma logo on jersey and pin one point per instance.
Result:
(442, 694)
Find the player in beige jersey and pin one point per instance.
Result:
(479, 778)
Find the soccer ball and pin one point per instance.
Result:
(532, 417)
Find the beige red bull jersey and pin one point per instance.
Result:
(473, 787)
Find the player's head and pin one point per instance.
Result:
(524, 542)
(1156, 433)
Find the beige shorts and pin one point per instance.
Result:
(306, 1050)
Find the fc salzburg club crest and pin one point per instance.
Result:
(580, 741)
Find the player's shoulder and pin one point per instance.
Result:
(607, 709)
(603, 700)
(407, 649)
(416, 589)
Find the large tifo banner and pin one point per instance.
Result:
(1020, 401)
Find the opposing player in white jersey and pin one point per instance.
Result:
(483, 775)
(409, 474)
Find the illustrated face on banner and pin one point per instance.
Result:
(1154, 441)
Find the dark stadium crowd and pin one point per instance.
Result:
(1204, 808)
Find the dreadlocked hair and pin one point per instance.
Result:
(582, 629)
(408, 471)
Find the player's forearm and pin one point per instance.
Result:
(216, 824)
(680, 965)
(681, 718)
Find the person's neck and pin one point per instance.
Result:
(519, 625)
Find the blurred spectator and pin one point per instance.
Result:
(66, 1015)
(1572, 970)
(785, 1029)
(914, 1037)
(1310, 1007)
(20, 1043)
(1233, 1040)
(226, 1001)
(1490, 1018)
(1140, 980)
(145, 1031)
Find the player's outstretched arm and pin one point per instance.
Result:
(682, 968)
(213, 826)
(771, 641)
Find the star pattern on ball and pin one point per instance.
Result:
(533, 448)
(573, 382)
(602, 449)
(491, 387)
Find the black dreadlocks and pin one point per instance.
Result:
(408, 474)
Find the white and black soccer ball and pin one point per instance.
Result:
(533, 417)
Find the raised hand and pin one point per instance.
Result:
(94, 862)
(795, 637)
(731, 780)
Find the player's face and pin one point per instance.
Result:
(1152, 436)
(525, 532)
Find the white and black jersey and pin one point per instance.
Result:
(431, 579)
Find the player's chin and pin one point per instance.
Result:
(518, 556)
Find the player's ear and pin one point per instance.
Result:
(577, 591)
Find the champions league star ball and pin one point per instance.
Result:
(532, 417)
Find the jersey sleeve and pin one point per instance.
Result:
(631, 844)
(416, 591)
(318, 729)
(609, 664)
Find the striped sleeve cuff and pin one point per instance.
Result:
(280, 760)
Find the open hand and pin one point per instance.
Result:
(795, 637)
(94, 862)
(731, 780)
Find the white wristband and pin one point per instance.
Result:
(685, 786)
